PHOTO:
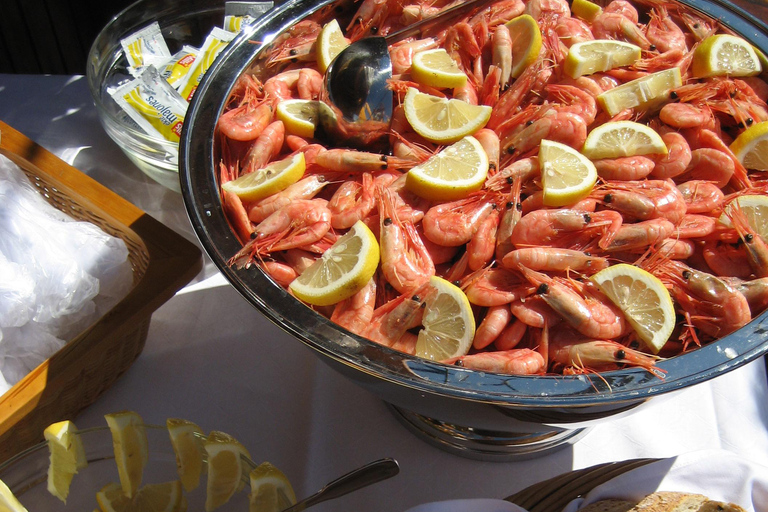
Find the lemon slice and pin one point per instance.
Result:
(449, 325)
(129, 441)
(755, 208)
(443, 120)
(623, 138)
(163, 497)
(343, 270)
(67, 456)
(526, 43)
(642, 93)
(589, 57)
(451, 173)
(724, 54)
(330, 43)
(9, 502)
(436, 68)
(225, 468)
(644, 300)
(300, 116)
(586, 10)
(751, 147)
(270, 489)
(269, 180)
(567, 176)
(187, 441)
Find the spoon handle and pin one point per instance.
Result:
(444, 15)
(371, 473)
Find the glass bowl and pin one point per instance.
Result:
(26, 474)
(472, 413)
(181, 23)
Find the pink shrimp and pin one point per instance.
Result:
(405, 262)
(511, 336)
(265, 148)
(701, 196)
(573, 30)
(492, 146)
(583, 307)
(401, 53)
(455, 223)
(569, 98)
(498, 13)
(610, 25)
(538, 8)
(530, 82)
(565, 227)
(482, 245)
(663, 32)
(305, 188)
(368, 17)
(246, 122)
(281, 273)
(352, 201)
(625, 168)
(591, 355)
(494, 286)
(522, 361)
(492, 325)
(356, 312)
(754, 245)
(511, 213)
(533, 311)
(390, 322)
(298, 43)
(237, 215)
(554, 259)
(309, 84)
(640, 235)
(686, 115)
(501, 44)
(351, 161)
(754, 290)
(677, 159)
(725, 260)
(709, 165)
(644, 199)
(564, 127)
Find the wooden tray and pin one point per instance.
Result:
(86, 366)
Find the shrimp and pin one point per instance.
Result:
(530, 82)
(624, 168)
(701, 196)
(754, 290)
(455, 223)
(677, 159)
(569, 98)
(356, 312)
(584, 308)
(710, 165)
(282, 273)
(305, 188)
(564, 127)
(369, 16)
(554, 259)
(538, 8)
(246, 122)
(237, 215)
(351, 161)
(309, 84)
(610, 25)
(511, 213)
(644, 199)
(640, 235)
(494, 322)
(754, 245)
(492, 146)
(352, 201)
(511, 336)
(589, 355)
(565, 227)
(522, 361)
(391, 321)
(573, 30)
(533, 311)
(501, 44)
(493, 286)
(663, 33)
(401, 53)
(265, 148)
(405, 261)
(686, 115)
(727, 260)
(482, 246)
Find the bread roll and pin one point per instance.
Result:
(664, 501)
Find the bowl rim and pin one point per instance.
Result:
(203, 204)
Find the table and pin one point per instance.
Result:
(286, 406)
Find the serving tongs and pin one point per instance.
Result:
(355, 85)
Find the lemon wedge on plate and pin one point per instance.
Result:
(330, 43)
(225, 468)
(623, 138)
(448, 323)
(725, 55)
(269, 180)
(644, 299)
(300, 117)
(443, 120)
(343, 270)
(567, 176)
(129, 441)
(436, 68)
(270, 489)
(526, 43)
(8, 501)
(755, 208)
(67, 457)
(589, 57)
(163, 497)
(187, 441)
(451, 173)
(586, 10)
(642, 93)
(751, 147)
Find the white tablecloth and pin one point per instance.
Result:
(211, 358)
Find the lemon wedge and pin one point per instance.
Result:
(187, 441)
(448, 323)
(724, 54)
(129, 441)
(269, 180)
(436, 68)
(67, 456)
(225, 468)
(300, 116)
(8, 501)
(343, 270)
(642, 93)
(617, 139)
(526, 43)
(163, 497)
(270, 489)
(755, 208)
(330, 43)
(443, 120)
(751, 147)
(586, 10)
(567, 176)
(589, 57)
(644, 299)
(451, 173)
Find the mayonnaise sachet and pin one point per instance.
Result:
(214, 43)
(153, 104)
(239, 14)
(179, 65)
(144, 47)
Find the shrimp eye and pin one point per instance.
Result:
(510, 180)
(732, 94)
(494, 206)
(608, 198)
(511, 150)
(388, 221)
(253, 235)
(634, 344)
(416, 298)
(543, 288)
(294, 51)
(374, 30)
(686, 274)
(459, 363)
(748, 238)
(519, 207)
(491, 166)
(652, 48)
(620, 354)
(509, 205)
(457, 282)
(673, 95)
(695, 25)
(529, 122)
(750, 121)
(587, 218)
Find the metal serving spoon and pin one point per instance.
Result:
(355, 86)
(371, 473)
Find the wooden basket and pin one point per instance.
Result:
(86, 366)
(554, 494)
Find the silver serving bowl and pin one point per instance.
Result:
(472, 413)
